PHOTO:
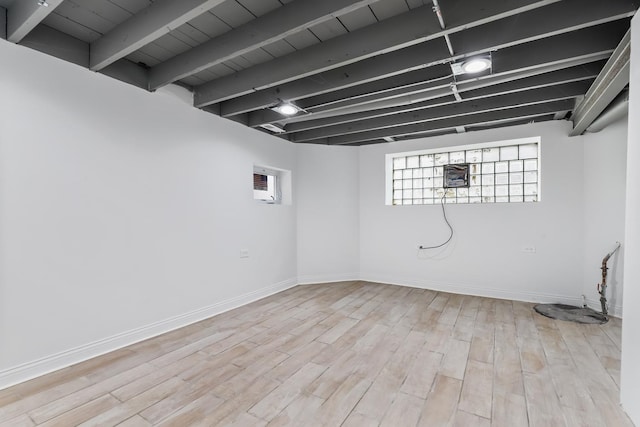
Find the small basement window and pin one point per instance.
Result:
(271, 185)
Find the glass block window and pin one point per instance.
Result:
(500, 172)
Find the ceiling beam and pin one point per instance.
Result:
(23, 16)
(413, 27)
(400, 31)
(489, 124)
(455, 109)
(407, 59)
(546, 63)
(481, 117)
(275, 25)
(429, 78)
(161, 17)
(612, 79)
(468, 90)
(572, 15)
(63, 46)
(3, 23)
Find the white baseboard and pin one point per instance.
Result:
(615, 311)
(464, 289)
(54, 362)
(327, 278)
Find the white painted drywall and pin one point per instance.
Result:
(630, 376)
(605, 178)
(485, 256)
(328, 213)
(120, 209)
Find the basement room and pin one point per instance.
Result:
(319, 213)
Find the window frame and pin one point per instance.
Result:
(389, 167)
(274, 178)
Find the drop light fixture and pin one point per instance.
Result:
(286, 109)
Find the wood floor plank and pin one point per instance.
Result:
(126, 410)
(422, 373)
(85, 395)
(19, 421)
(135, 421)
(273, 403)
(477, 389)
(465, 419)
(195, 411)
(44, 397)
(84, 412)
(404, 411)
(352, 354)
(297, 413)
(442, 402)
(339, 405)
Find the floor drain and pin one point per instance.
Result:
(571, 313)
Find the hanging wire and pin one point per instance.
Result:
(444, 214)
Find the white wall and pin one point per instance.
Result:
(122, 209)
(605, 168)
(630, 387)
(485, 256)
(328, 213)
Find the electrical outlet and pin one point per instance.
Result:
(529, 249)
(244, 253)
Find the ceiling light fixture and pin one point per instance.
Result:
(43, 3)
(476, 65)
(286, 109)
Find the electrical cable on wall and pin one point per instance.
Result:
(444, 214)
(455, 176)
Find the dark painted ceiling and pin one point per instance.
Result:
(360, 71)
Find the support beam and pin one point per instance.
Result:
(463, 108)
(3, 23)
(398, 62)
(471, 90)
(60, 45)
(413, 27)
(24, 16)
(612, 79)
(517, 112)
(590, 62)
(437, 76)
(275, 25)
(158, 19)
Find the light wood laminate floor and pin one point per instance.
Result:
(345, 354)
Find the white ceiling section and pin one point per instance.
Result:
(360, 71)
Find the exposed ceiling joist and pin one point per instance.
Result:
(400, 61)
(507, 100)
(23, 16)
(481, 117)
(558, 18)
(612, 80)
(471, 90)
(413, 27)
(3, 23)
(404, 30)
(413, 93)
(60, 45)
(533, 58)
(151, 23)
(273, 26)
(438, 76)
(359, 71)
